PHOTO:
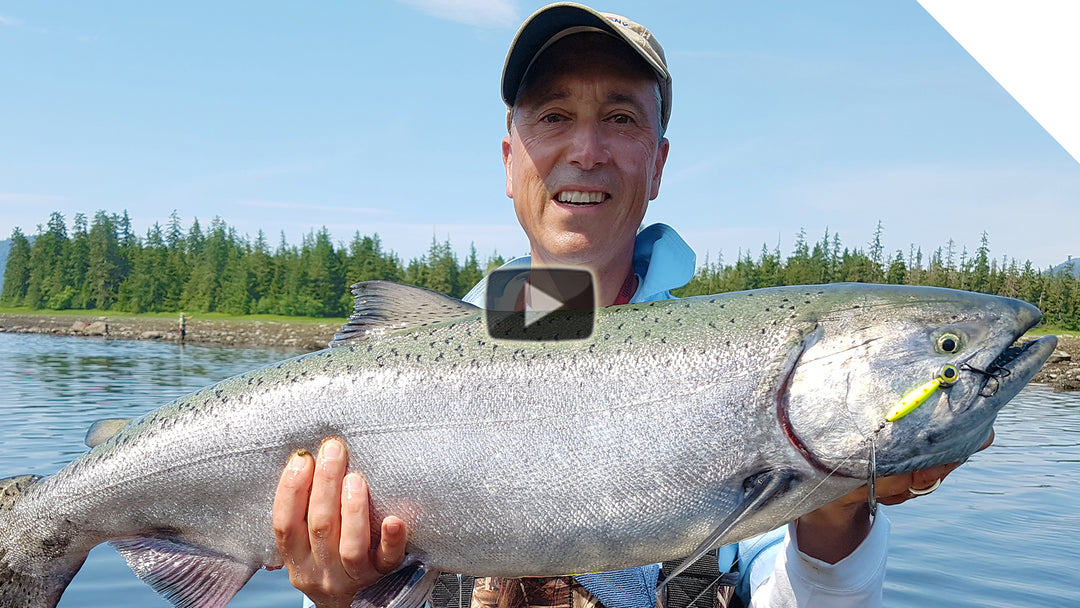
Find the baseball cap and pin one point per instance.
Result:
(555, 21)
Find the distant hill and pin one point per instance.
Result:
(1075, 264)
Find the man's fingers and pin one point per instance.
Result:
(324, 508)
(921, 480)
(355, 528)
(391, 550)
(291, 503)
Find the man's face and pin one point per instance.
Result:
(584, 155)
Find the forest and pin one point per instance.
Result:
(101, 264)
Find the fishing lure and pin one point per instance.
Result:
(946, 377)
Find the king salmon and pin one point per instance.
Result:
(677, 426)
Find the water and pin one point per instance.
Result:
(52, 389)
(1001, 531)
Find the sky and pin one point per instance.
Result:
(384, 117)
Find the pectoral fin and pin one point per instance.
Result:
(102, 430)
(759, 489)
(187, 575)
(407, 587)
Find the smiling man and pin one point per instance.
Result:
(589, 98)
(585, 155)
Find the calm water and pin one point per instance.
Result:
(1002, 531)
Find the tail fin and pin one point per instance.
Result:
(34, 571)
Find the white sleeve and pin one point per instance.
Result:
(804, 582)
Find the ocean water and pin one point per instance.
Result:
(1001, 531)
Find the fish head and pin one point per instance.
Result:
(921, 372)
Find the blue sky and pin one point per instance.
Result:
(384, 117)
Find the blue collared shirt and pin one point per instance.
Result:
(662, 262)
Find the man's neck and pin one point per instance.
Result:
(609, 276)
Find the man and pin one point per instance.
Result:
(589, 98)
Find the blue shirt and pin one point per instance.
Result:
(662, 262)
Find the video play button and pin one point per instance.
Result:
(540, 304)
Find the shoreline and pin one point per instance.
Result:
(1061, 372)
(309, 336)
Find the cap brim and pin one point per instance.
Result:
(540, 28)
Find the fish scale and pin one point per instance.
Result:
(676, 426)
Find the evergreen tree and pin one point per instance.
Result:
(771, 271)
(260, 269)
(16, 271)
(980, 267)
(145, 287)
(103, 263)
(174, 233)
(820, 259)
(874, 273)
(495, 261)
(47, 262)
(470, 273)
(1010, 283)
(897, 273)
(234, 297)
(323, 283)
(78, 256)
(800, 269)
(208, 257)
(443, 271)
(127, 243)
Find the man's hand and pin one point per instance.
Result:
(832, 532)
(321, 524)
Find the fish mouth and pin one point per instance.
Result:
(1015, 366)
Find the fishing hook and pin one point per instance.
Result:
(997, 373)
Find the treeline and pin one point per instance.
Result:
(103, 265)
(1057, 294)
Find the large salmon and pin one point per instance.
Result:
(677, 426)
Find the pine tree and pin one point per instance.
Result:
(47, 260)
(78, 256)
(470, 273)
(207, 259)
(234, 297)
(897, 273)
(443, 271)
(799, 269)
(103, 267)
(980, 267)
(874, 273)
(16, 271)
(322, 285)
(144, 289)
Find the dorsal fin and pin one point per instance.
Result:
(383, 306)
(102, 430)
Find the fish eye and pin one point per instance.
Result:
(948, 343)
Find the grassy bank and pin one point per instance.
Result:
(26, 311)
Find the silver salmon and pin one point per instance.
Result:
(676, 427)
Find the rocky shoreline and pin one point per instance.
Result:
(1062, 371)
(306, 335)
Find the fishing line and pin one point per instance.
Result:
(820, 483)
